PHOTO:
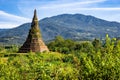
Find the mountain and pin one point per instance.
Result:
(73, 26)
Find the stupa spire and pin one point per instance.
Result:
(34, 40)
(35, 15)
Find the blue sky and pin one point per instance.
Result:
(16, 12)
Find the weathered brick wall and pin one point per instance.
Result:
(34, 40)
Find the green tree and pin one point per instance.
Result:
(117, 47)
(97, 44)
(61, 45)
(109, 44)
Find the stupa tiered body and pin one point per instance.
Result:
(34, 42)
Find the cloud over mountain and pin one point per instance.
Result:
(10, 21)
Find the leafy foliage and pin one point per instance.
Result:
(61, 45)
(95, 60)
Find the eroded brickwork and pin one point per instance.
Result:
(34, 40)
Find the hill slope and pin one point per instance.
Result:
(77, 27)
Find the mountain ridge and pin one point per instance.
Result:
(73, 26)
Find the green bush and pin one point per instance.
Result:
(82, 61)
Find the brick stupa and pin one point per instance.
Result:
(34, 40)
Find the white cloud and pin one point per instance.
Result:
(97, 9)
(71, 4)
(10, 21)
(5, 25)
(50, 8)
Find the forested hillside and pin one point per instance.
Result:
(72, 26)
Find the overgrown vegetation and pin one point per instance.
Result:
(68, 60)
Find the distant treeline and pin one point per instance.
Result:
(68, 46)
